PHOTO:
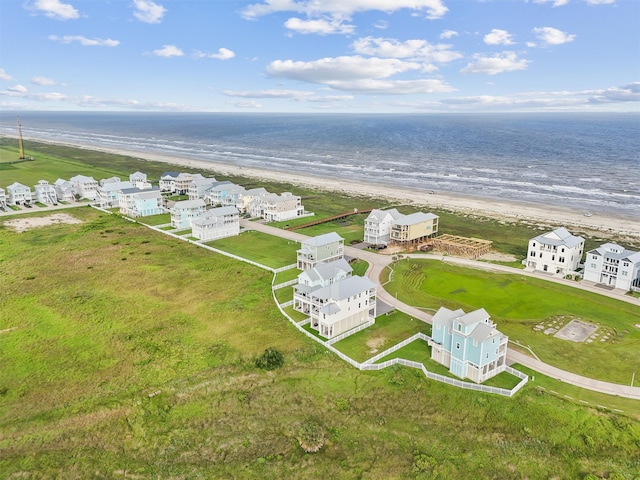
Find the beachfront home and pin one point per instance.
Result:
(64, 190)
(199, 186)
(468, 344)
(184, 211)
(414, 228)
(251, 200)
(46, 193)
(226, 193)
(342, 306)
(323, 248)
(104, 181)
(139, 180)
(323, 274)
(3, 199)
(558, 252)
(613, 266)
(84, 187)
(182, 182)
(108, 194)
(140, 202)
(377, 226)
(167, 181)
(279, 208)
(18, 194)
(216, 223)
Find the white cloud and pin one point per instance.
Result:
(625, 93)
(168, 51)
(343, 8)
(43, 81)
(553, 36)
(412, 49)
(297, 95)
(554, 3)
(502, 62)
(498, 37)
(393, 87)
(148, 11)
(18, 89)
(601, 2)
(320, 27)
(337, 69)
(84, 41)
(4, 75)
(223, 54)
(448, 34)
(56, 9)
(381, 25)
(247, 104)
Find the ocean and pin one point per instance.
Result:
(589, 162)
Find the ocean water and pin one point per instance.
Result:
(590, 162)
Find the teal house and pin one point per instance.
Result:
(468, 344)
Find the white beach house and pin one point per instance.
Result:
(323, 248)
(64, 190)
(108, 194)
(139, 180)
(216, 223)
(468, 344)
(167, 181)
(323, 274)
(199, 186)
(557, 252)
(185, 211)
(377, 226)
(140, 202)
(3, 199)
(84, 187)
(279, 208)
(18, 194)
(46, 193)
(613, 266)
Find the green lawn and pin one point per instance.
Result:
(286, 275)
(385, 333)
(155, 220)
(517, 304)
(260, 247)
(350, 228)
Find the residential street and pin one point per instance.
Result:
(378, 262)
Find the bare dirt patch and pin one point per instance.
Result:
(23, 224)
(498, 257)
(375, 343)
(576, 331)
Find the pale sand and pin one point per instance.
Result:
(543, 215)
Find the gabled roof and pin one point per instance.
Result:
(560, 236)
(169, 174)
(474, 317)
(115, 186)
(380, 215)
(16, 185)
(82, 179)
(148, 193)
(327, 270)
(189, 204)
(204, 181)
(320, 240)
(483, 331)
(616, 252)
(414, 218)
(344, 289)
(445, 317)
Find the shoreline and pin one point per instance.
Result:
(517, 211)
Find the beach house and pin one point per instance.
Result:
(18, 194)
(279, 208)
(413, 228)
(167, 181)
(342, 306)
(216, 223)
(46, 193)
(323, 274)
(186, 210)
(557, 252)
(468, 344)
(182, 182)
(139, 180)
(3, 199)
(199, 186)
(64, 190)
(104, 181)
(377, 226)
(613, 266)
(84, 187)
(250, 200)
(140, 202)
(224, 194)
(108, 194)
(323, 248)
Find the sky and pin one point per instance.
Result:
(352, 56)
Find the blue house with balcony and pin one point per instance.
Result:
(468, 344)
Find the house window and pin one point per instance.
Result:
(533, 244)
(457, 345)
(624, 274)
(626, 264)
(487, 356)
(459, 327)
(532, 254)
(561, 259)
(553, 257)
(438, 326)
(594, 266)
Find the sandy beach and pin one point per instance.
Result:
(543, 215)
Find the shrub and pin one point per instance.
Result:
(270, 359)
(311, 436)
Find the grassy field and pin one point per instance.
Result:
(135, 359)
(518, 304)
(265, 249)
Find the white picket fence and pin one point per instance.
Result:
(285, 284)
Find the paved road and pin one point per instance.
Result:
(378, 262)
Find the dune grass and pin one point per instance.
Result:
(518, 304)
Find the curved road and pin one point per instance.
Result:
(378, 262)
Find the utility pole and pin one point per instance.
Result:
(20, 144)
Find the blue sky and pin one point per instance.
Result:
(395, 56)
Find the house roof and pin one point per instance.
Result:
(16, 185)
(560, 236)
(616, 252)
(330, 309)
(414, 218)
(204, 181)
(169, 174)
(474, 317)
(82, 179)
(114, 186)
(445, 317)
(198, 202)
(221, 211)
(380, 215)
(146, 194)
(323, 239)
(482, 331)
(344, 288)
(327, 270)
